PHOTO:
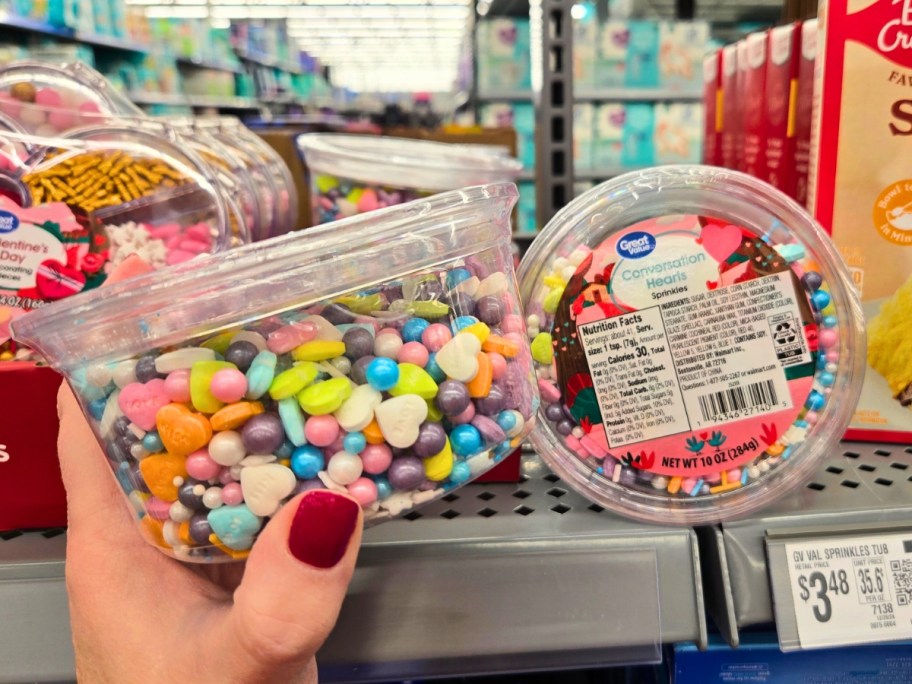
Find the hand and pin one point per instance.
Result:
(139, 616)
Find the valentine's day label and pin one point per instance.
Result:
(845, 590)
(686, 346)
(44, 255)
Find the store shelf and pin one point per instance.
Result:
(863, 486)
(495, 578)
(262, 60)
(207, 64)
(636, 95)
(516, 95)
(12, 22)
(179, 100)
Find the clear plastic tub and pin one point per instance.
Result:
(221, 388)
(48, 99)
(286, 212)
(698, 344)
(351, 174)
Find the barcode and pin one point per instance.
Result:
(902, 580)
(720, 404)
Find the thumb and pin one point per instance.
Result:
(293, 586)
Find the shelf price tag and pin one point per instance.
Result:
(847, 590)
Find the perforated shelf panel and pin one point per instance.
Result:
(493, 578)
(861, 489)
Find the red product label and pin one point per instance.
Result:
(729, 105)
(754, 112)
(781, 101)
(31, 491)
(804, 107)
(712, 104)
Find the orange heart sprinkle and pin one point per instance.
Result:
(181, 431)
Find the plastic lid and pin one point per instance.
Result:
(700, 348)
(219, 291)
(404, 163)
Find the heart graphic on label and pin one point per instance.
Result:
(141, 402)
(181, 431)
(720, 241)
(55, 280)
(712, 284)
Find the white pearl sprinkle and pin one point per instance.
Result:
(178, 480)
(180, 513)
(212, 498)
(199, 489)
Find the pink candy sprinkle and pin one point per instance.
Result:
(158, 509)
(364, 491)
(828, 337)
(414, 352)
(231, 494)
(376, 458)
(177, 386)
(435, 336)
(228, 385)
(498, 365)
(200, 466)
(464, 417)
(321, 431)
(549, 392)
(513, 323)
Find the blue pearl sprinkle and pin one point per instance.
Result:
(830, 321)
(461, 322)
(456, 276)
(382, 374)
(307, 461)
(461, 472)
(821, 361)
(97, 407)
(506, 420)
(815, 401)
(383, 487)
(354, 442)
(434, 370)
(820, 299)
(152, 442)
(413, 328)
(465, 440)
(826, 379)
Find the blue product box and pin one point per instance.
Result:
(504, 56)
(525, 217)
(520, 116)
(642, 55)
(758, 660)
(583, 129)
(678, 133)
(639, 133)
(611, 57)
(608, 144)
(585, 46)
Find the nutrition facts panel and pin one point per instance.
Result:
(695, 362)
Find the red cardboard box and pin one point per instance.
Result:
(731, 111)
(804, 109)
(781, 106)
(712, 106)
(31, 491)
(753, 92)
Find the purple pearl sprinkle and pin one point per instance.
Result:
(263, 434)
(495, 402)
(490, 310)
(406, 473)
(358, 343)
(490, 431)
(452, 397)
(431, 440)
(199, 528)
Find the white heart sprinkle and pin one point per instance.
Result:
(458, 358)
(492, 285)
(399, 419)
(265, 486)
(357, 411)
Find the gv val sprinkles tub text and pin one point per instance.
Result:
(384, 356)
(697, 343)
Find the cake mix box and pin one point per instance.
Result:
(861, 189)
(678, 133)
(583, 125)
(611, 54)
(730, 113)
(682, 45)
(739, 100)
(804, 107)
(608, 144)
(781, 106)
(712, 105)
(753, 95)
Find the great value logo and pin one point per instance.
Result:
(636, 245)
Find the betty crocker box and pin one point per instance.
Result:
(861, 189)
(781, 106)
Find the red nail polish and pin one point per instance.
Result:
(322, 528)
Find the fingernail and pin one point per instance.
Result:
(322, 528)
